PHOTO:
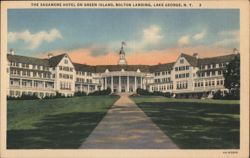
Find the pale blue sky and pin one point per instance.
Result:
(145, 29)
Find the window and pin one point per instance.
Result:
(187, 67)
(24, 83)
(203, 74)
(187, 74)
(213, 73)
(221, 82)
(65, 61)
(181, 61)
(218, 82)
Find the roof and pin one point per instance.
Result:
(27, 60)
(161, 67)
(83, 67)
(191, 59)
(54, 61)
(215, 60)
(102, 68)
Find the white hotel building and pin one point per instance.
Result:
(188, 76)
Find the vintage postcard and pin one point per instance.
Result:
(125, 79)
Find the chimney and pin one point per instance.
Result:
(236, 51)
(196, 55)
(50, 55)
(12, 52)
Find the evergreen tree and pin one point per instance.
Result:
(232, 77)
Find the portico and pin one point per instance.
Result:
(122, 81)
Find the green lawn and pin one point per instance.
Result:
(54, 124)
(194, 123)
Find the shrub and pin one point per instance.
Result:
(101, 92)
(28, 97)
(59, 95)
(142, 91)
(233, 95)
(155, 93)
(12, 98)
(49, 97)
(80, 94)
(167, 94)
(218, 95)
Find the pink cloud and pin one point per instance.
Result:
(149, 58)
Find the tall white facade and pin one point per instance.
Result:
(188, 76)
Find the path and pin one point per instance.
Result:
(126, 126)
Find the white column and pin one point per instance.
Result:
(32, 84)
(106, 83)
(120, 84)
(102, 81)
(135, 84)
(144, 84)
(43, 84)
(127, 83)
(112, 84)
(141, 82)
(80, 87)
(215, 82)
(88, 89)
(204, 84)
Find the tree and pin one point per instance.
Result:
(232, 77)
(218, 95)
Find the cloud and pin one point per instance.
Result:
(231, 33)
(226, 42)
(199, 36)
(99, 50)
(152, 35)
(36, 39)
(184, 40)
(151, 38)
(228, 38)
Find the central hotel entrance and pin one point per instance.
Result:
(121, 83)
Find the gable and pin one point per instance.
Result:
(65, 61)
(181, 61)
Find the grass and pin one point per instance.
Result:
(54, 124)
(194, 123)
